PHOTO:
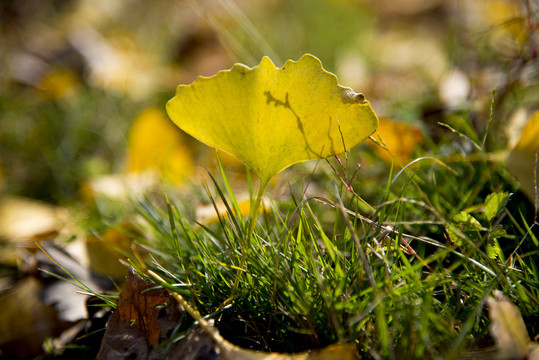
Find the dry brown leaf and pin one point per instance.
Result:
(144, 317)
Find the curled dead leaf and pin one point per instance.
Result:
(143, 318)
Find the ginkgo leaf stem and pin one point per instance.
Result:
(255, 208)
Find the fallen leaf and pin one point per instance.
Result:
(507, 328)
(271, 118)
(25, 321)
(107, 249)
(143, 318)
(117, 61)
(66, 297)
(400, 139)
(27, 220)
(521, 158)
(155, 143)
(119, 187)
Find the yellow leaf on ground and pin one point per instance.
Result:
(119, 187)
(154, 143)
(107, 249)
(271, 118)
(521, 159)
(27, 220)
(400, 140)
(59, 84)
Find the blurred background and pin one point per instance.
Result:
(83, 87)
(76, 74)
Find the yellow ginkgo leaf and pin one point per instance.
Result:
(271, 118)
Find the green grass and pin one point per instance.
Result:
(328, 261)
(324, 269)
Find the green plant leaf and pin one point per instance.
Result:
(493, 249)
(467, 221)
(497, 232)
(271, 118)
(495, 203)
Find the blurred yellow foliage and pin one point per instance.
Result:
(59, 84)
(504, 20)
(509, 15)
(208, 214)
(24, 221)
(155, 143)
(1, 176)
(521, 158)
(106, 250)
(400, 139)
